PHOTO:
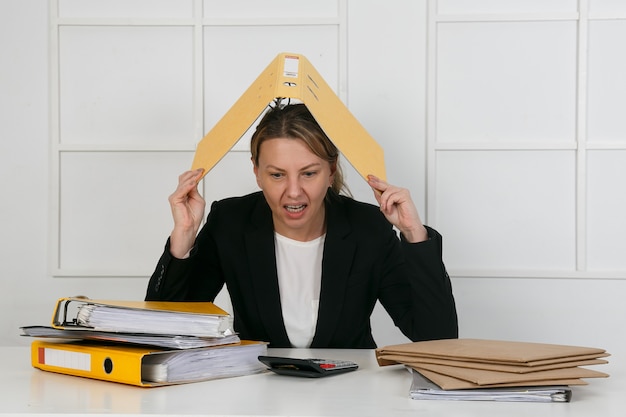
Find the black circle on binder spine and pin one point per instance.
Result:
(108, 365)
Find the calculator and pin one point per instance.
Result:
(310, 367)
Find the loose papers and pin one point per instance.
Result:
(423, 389)
(148, 339)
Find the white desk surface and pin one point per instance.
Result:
(369, 391)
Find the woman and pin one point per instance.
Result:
(304, 265)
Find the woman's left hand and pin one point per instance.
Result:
(399, 209)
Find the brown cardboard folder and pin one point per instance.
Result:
(493, 366)
(484, 377)
(489, 351)
(473, 363)
(446, 383)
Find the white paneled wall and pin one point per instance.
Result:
(503, 117)
(525, 160)
(526, 133)
(137, 88)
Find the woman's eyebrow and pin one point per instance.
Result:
(304, 168)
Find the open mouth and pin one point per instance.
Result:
(295, 209)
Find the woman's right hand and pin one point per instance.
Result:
(187, 207)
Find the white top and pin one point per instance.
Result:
(299, 267)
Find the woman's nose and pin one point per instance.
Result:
(293, 187)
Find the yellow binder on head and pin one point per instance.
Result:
(292, 76)
(147, 366)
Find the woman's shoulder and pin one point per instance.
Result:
(357, 211)
(240, 207)
(351, 204)
(240, 201)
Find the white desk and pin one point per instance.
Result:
(369, 391)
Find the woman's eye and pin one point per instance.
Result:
(276, 175)
(309, 173)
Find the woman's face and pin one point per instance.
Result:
(294, 182)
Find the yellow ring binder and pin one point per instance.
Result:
(292, 76)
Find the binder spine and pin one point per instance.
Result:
(89, 362)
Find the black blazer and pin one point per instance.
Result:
(363, 261)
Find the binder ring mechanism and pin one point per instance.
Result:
(61, 314)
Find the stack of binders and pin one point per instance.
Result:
(143, 343)
(477, 369)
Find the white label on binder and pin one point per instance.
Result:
(65, 359)
(291, 66)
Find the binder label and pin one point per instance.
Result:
(290, 68)
(65, 359)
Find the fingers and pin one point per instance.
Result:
(190, 178)
(378, 186)
(387, 195)
(187, 184)
(186, 203)
(392, 198)
(376, 183)
(399, 209)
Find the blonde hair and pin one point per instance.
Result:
(295, 121)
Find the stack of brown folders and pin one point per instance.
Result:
(476, 369)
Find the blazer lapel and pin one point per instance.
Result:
(261, 254)
(338, 253)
